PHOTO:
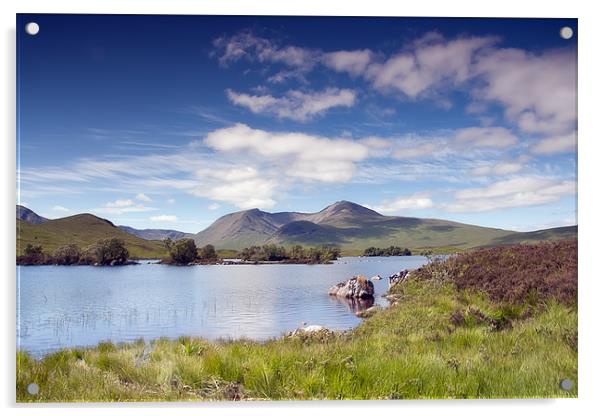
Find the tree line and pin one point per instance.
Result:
(112, 251)
(105, 252)
(385, 252)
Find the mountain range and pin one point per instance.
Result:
(346, 224)
(354, 227)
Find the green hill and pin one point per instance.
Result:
(82, 230)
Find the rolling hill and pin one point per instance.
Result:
(155, 234)
(354, 227)
(82, 230)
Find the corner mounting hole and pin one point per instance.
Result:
(33, 389)
(566, 33)
(566, 384)
(32, 28)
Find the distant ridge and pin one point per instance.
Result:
(27, 215)
(156, 234)
(355, 227)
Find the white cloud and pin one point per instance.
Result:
(164, 218)
(144, 198)
(122, 206)
(171, 201)
(514, 192)
(499, 169)
(498, 137)
(413, 202)
(432, 63)
(538, 91)
(556, 144)
(353, 62)
(60, 208)
(214, 206)
(246, 45)
(240, 186)
(309, 157)
(295, 105)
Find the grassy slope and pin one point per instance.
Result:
(412, 233)
(551, 234)
(417, 348)
(82, 230)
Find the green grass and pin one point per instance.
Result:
(417, 348)
(82, 230)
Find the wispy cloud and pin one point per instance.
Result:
(143, 197)
(515, 192)
(556, 144)
(122, 206)
(164, 218)
(60, 208)
(295, 105)
(413, 202)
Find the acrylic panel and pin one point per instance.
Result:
(295, 208)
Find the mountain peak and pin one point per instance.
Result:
(351, 207)
(345, 212)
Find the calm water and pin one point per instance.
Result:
(62, 306)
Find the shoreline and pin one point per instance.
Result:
(218, 262)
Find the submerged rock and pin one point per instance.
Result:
(356, 287)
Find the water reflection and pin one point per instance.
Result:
(354, 305)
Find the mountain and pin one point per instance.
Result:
(27, 215)
(156, 234)
(82, 230)
(354, 227)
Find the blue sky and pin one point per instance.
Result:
(173, 121)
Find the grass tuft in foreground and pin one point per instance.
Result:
(436, 341)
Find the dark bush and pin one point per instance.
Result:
(208, 252)
(111, 251)
(183, 251)
(31, 255)
(66, 255)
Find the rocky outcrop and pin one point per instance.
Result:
(398, 277)
(357, 287)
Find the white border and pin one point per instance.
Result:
(589, 194)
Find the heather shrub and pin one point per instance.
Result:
(517, 274)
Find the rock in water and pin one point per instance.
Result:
(356, 287)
